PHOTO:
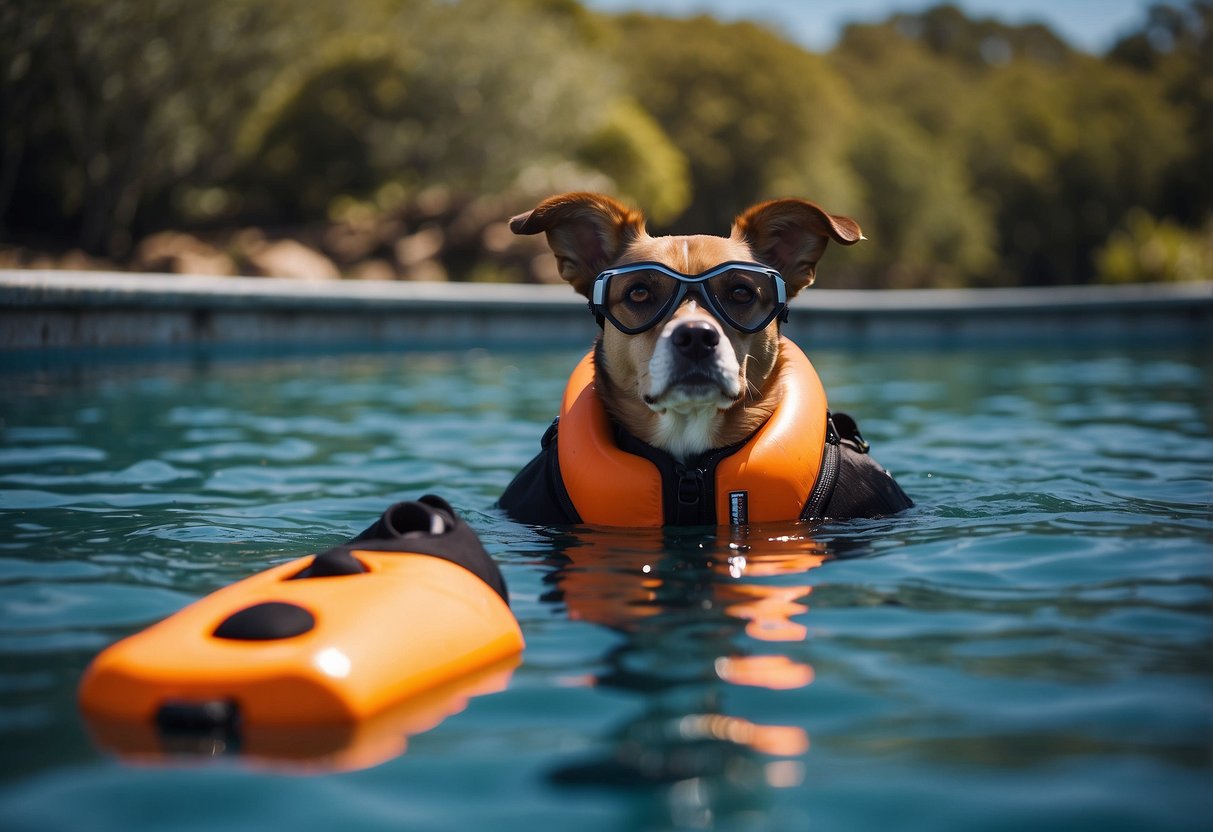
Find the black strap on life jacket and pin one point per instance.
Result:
(840, 428)
(848, 431)
(559, 493)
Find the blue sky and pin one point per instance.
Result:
(1092, 25)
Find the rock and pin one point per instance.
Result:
(290, 258)
(420, 246)
(178, 253)
(77, 261)
(434, 201)
(350, 242)
(373, 270)
(430, 270)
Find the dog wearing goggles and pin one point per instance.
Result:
(689, 358)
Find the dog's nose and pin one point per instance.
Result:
(695, 339)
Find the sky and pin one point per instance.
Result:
(1092, 25)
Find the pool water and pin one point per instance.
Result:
(1031, 647)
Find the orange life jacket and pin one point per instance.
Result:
(770, 477)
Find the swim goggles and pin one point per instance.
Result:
(635, 297)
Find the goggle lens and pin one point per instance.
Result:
(746, 299)
(636, 297)
(637, 300)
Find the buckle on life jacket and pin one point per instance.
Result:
(692, 492)
(843, 426)
(690, 486)
(549, 435)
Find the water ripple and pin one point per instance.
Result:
(1029, 645)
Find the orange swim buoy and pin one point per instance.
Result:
(411, 604)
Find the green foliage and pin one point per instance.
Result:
(1052, 148)
(971, 151)
(886, 68)
(919, 209)
(642, 162)
(924, 225)
(446, 95)
(1150, 250)
(107, 102)
(125, 116)
(1175, 47)
(977, 44)
(328, 136)
(740, 103)
(1061, 163)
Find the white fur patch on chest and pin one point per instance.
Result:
(686, 433)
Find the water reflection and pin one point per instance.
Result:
(704, 615)
(307, 750)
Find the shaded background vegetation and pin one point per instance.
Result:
(394, 138)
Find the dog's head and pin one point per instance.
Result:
(690, 342)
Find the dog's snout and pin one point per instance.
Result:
(695, 339)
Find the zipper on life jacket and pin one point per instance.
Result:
(827, 473)
(688, 489)
(695, 488)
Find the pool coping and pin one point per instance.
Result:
(63, 309)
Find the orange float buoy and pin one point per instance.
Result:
(411, 604)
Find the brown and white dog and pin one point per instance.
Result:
(692, 383)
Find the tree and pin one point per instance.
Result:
(754, 115)
(1062, 159)
(1053, 146)
(1175, 48)
(106, 103)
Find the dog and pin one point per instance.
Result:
(691, 363)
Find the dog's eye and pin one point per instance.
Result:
(639, 294)
(741, 294)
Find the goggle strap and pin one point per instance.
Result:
(598, 316)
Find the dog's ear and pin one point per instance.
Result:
(791, 235)
(586, 232)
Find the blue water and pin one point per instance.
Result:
(1031, 647)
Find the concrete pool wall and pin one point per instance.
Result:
(60, 309)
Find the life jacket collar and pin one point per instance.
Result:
(615, 479)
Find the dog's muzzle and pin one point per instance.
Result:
(694, 360)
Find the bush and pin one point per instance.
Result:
(1147, 249)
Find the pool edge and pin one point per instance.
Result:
(71, 310)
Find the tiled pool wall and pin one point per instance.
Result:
(49, 309)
